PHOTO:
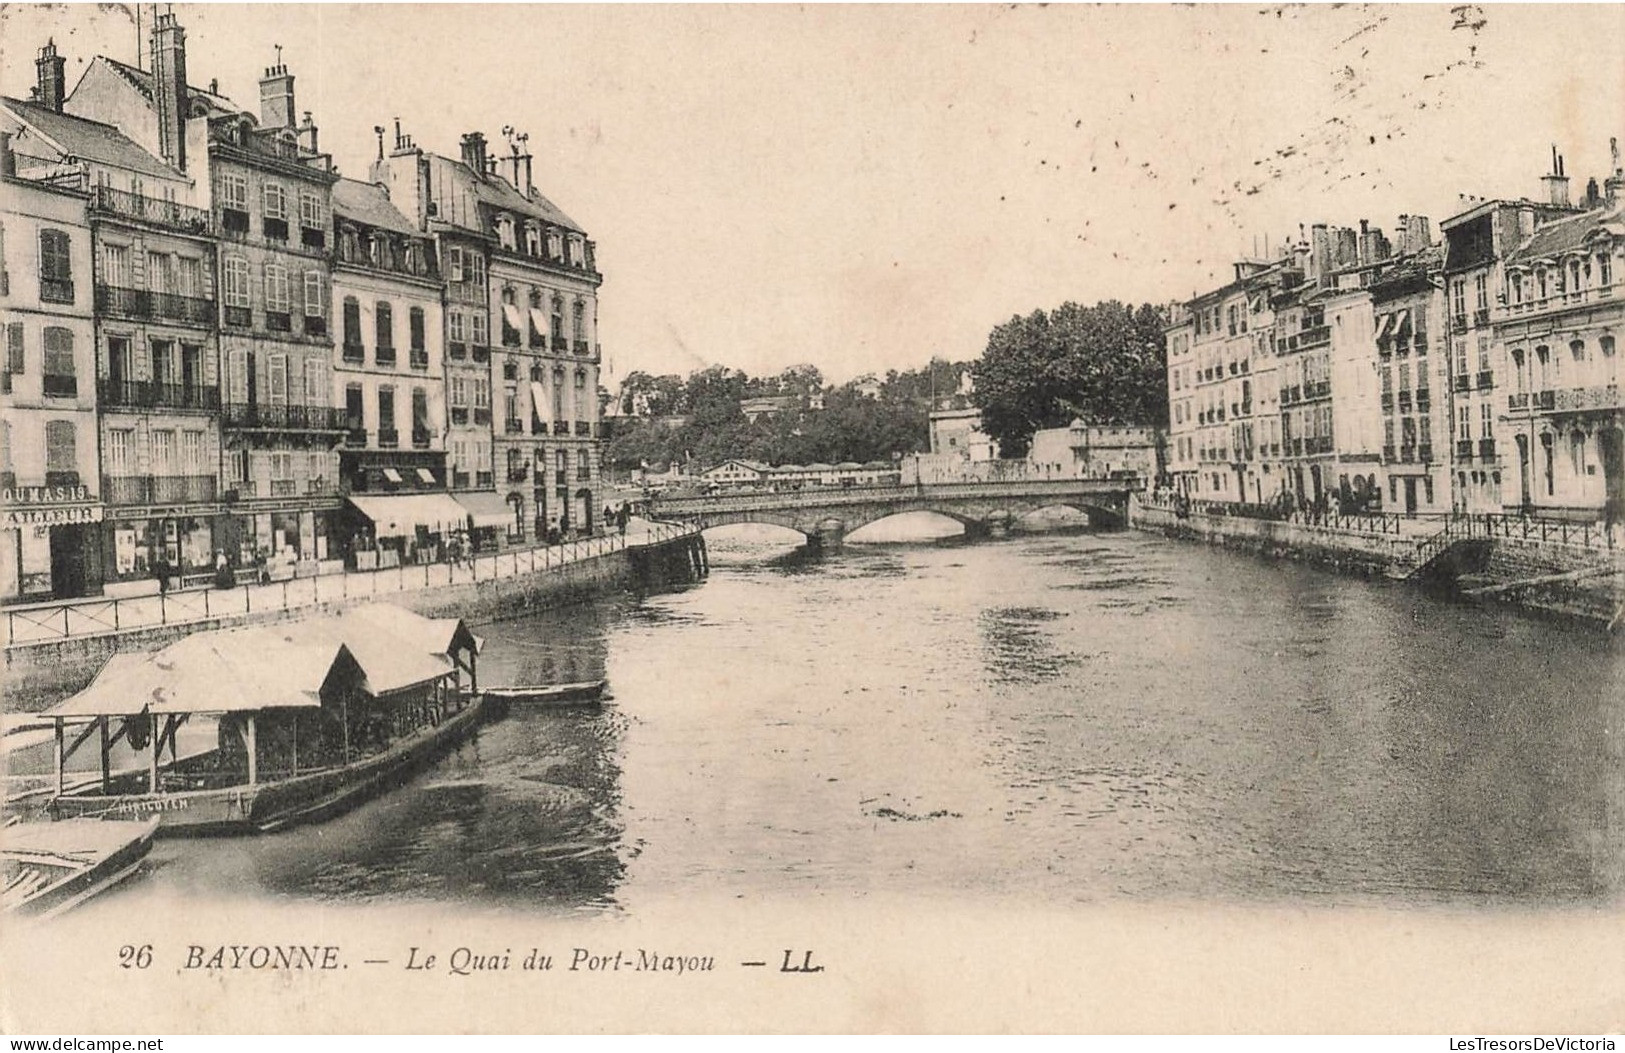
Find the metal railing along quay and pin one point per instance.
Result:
(100, 616)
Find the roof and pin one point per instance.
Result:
(369, 203)
(224, 671)
(260, 667)
(142, 79)
(396, 515)
(1568, 234)
(89, 140)
(500, 194)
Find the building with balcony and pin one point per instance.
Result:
(389, 375)
(1097, 451)
(156, 377)
(1477, 241)
(1408, 310)
(522, 298)
(50, 496)
(267, 187)
(1557, 329)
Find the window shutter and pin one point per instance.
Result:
(59, 446)
(277, 379)
(15, 361)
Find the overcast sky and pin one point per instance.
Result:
(865, 187)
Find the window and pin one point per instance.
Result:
(555, 245)
(58, 373)
(232, 191)
(120, 451)
(352, 327)
(315, 382)
(310, 209)
(15, 360)
(61, 450)
(414, 325)
(192, 452)
(1605, 269)
(386, 408)
(457, 327)
(234, 281)
(315, 295)
(384, 325)
(533, 240)
(160, 272)
(558, 318)
(505, 231)
(116, 266)
(1464, 422)
(482, 393)
(1606, 343)
(281, 465)
(459, 391)
(1485, 420)
(578, 321)
(577, 252)
(276, 379)
(1481, 291)
(276, 288)
(163, 451)
(276, 201)
(420, 415)
(1484, 354)
(354, 418)
(55, 267)
(476, 270)
(454, 263)
(1577, 349)
(190, 277)
(480, 328)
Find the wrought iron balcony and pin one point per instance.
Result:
(482, 414)
(1485, 379)
(1486, 448)
(420, 439)
(388, 438)
(139, 303)
(418, 358)
(1464, 449)
(147, 394)
(384, 354)
(157, 212)
(584, 427)
(315, 325)
(353, 352)
(561, 427)
(59, 385)
(255, 415)
(56, 290)
(513, 426)
(158, 489)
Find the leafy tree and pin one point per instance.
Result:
(1104, 363)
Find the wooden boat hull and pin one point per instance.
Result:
(273, 805)
(587, 693)
(118, 851)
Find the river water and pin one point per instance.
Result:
(1051, 718)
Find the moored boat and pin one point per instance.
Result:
(584, 693)
(49, 868)
(311, 718)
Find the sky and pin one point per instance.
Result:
(864, 188)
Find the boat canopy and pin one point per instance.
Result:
(397, 515)
(225, 671)
(280, 666)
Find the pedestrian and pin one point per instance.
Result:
(160, 570)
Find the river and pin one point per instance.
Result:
(1054, 718)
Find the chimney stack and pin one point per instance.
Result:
(53, 77)
(1418, 233)
(1557, 184)
(474, 152)
(308, 137)
(169, 88)
(1615, 182)
(276, 96)
(8, 160)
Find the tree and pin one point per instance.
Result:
(1104, 363)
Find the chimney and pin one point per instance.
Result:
(8, 160)
(276, 96)
(1614, 183)
(1347, 247)
(169, 88)
(1526, 222)
(53, 77)
(513, 165)
(308, 138)
(1320, 251)
(527, 187)
(1418, 233)
(1593, 193)
(474, 152)
(1557, 184)
(1402, 230)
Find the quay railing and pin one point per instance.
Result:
(100, 616)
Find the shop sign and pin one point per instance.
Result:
(44, 495)
(21, 517)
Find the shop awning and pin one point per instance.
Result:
(539, 320)
(1402, 328)
(396, 515)
(485, 509)
(1386, 329)
(510, 314)
(392, 475)
(539, 396)
(426, 476)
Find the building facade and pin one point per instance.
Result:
(50, 494)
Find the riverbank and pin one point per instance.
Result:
(1583, 582)
(72, 640)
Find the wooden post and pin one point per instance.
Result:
(344, 711)
(60, 759)
(152, 766)
(251, 742)
(107, 774)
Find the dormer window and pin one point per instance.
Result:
(578, 253)
(533, 240)
(555, 245)
(505, 231)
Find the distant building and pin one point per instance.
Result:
(735, 474)
(767, 406)
(1096, 451)
(958, 433)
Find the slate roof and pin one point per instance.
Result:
(89, 140)
(497, 193)
(1569, 234)
(142, 79)
(367, 203)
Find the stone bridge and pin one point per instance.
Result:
(827, 514)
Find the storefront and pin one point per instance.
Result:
(176, 545)
(285, 543)
(490, 518)
(48, 544)
(413, 528)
